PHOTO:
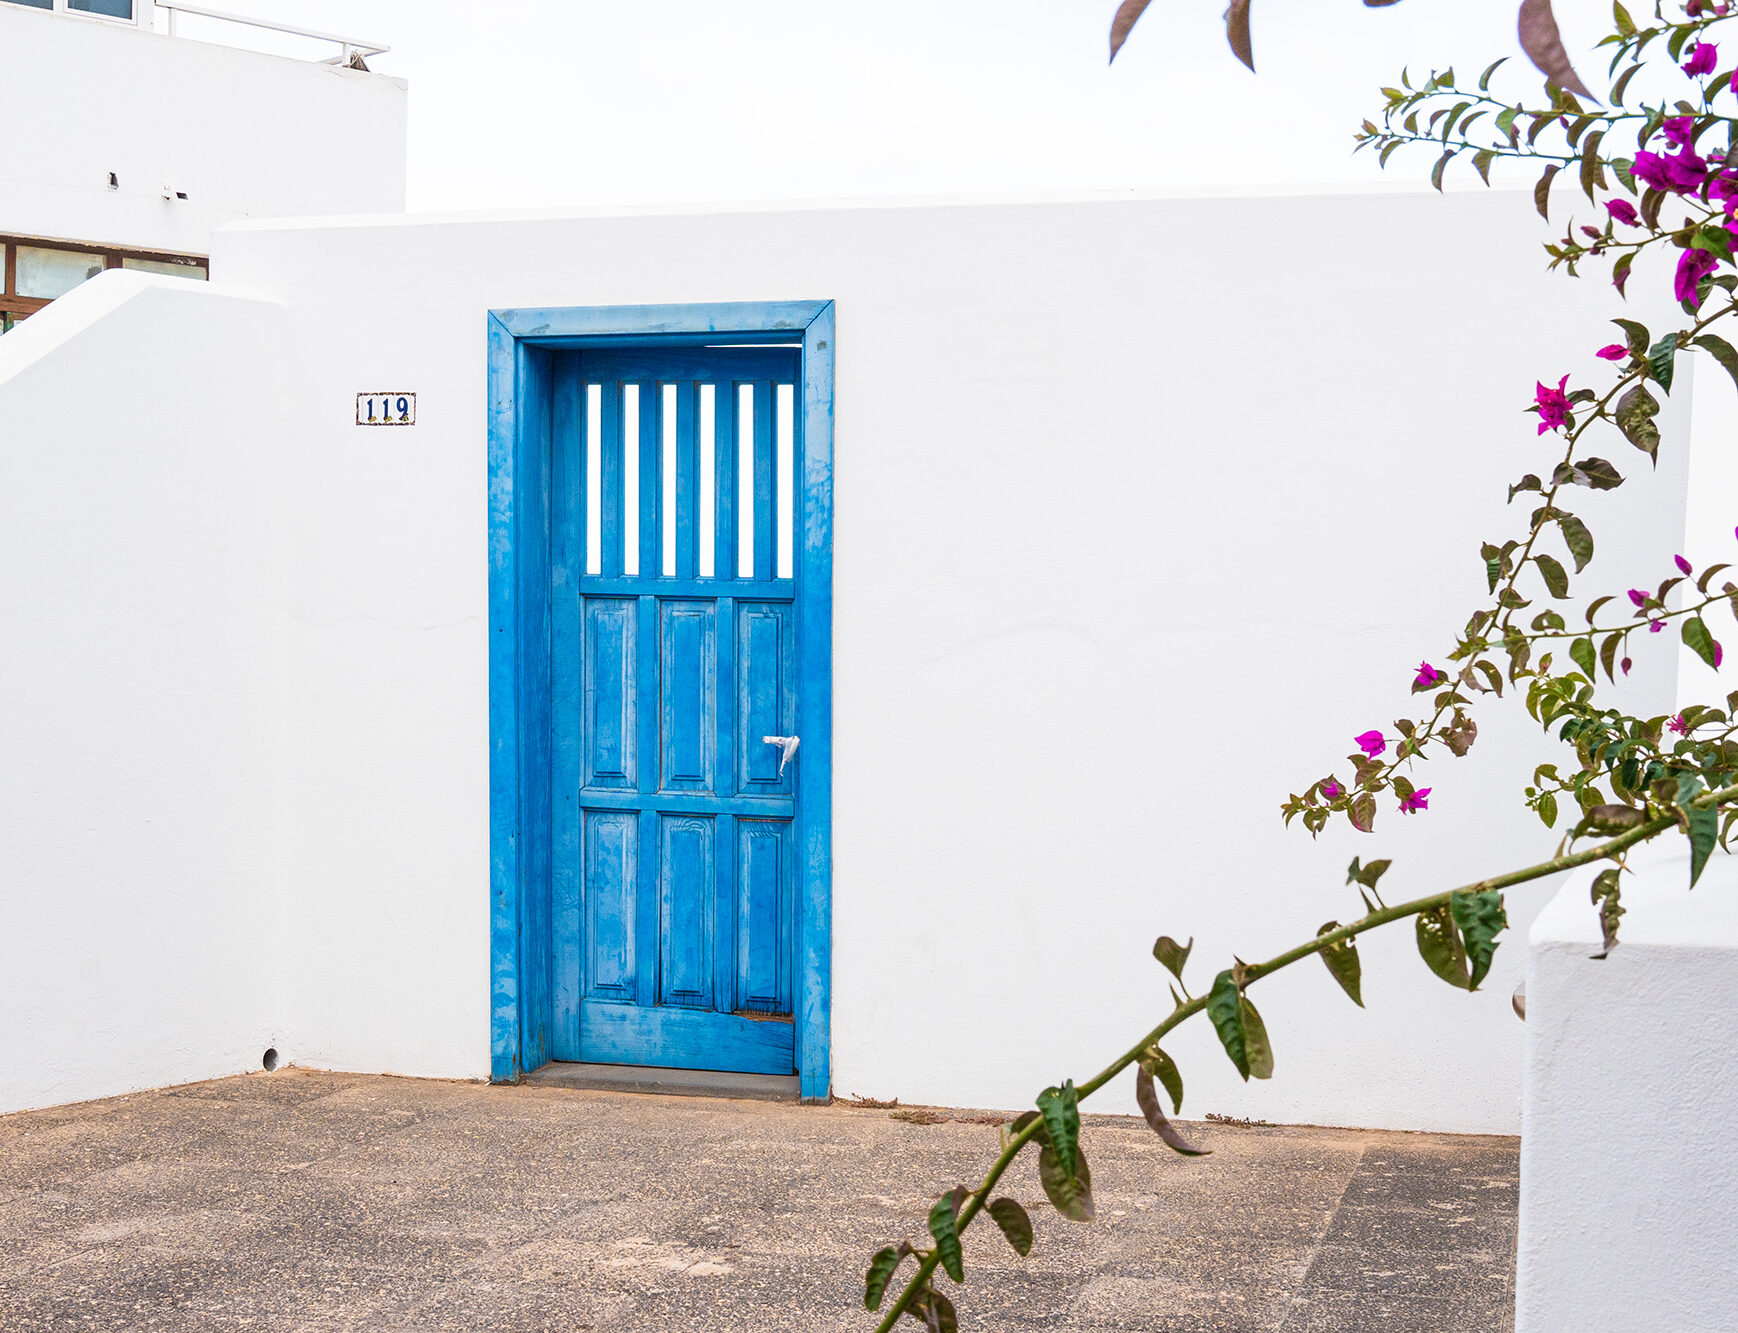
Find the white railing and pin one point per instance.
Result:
(349, 47)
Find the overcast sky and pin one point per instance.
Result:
(523, 103)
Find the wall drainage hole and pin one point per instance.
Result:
(269, 1061)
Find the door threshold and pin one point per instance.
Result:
(669, 1082)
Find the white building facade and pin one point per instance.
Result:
(185, 137)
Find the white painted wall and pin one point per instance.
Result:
(1627, 1168)
(1142, 525)
(139, 708)
(240, 133)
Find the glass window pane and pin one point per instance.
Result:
(114, 9)
(34, 4)
(175, 268)
(51, 273)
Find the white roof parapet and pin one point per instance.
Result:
(352, 49)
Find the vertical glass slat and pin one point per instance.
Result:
(611, 441)
(786, 460)
(724, 433)
(667, 473)
(630, 479)
(745, 480)
(706, 551)
(765, 529)
(652, 474)
(687, 478)
(593, 478)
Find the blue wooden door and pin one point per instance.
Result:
(674, 650)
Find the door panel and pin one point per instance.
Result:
(674, 657)
(609, 691)
(763, 938)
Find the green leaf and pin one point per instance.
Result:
(1440, 947)
(1634, 416)
(1555, 579)
(1660, 358)
(1697, 637)
(1542, 192)
(944, 1226)
(1172, 954)
(1225, 1009)
(1702, 825)
(1578, 539)
(1015, 1223)
(1721, 350)
(1481, 161)
(1581, 652)
(1608, 655)
(1606, 897)
(1255, 1042)
(1621, 87)
(1061, 1111)
(1440, 167)
(1601, 475)
(1147, 1097)
(1369, 874)
(1163, 1068)
(881, 1268)
(1069, 1191)
(1237, 32)
(1625, 24)
(1592, 169)
(1548, 810)
(1363, 812)
(1481, 919)
(1343, 964)
(1636, 334)
(1485, 78)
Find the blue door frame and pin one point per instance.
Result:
(521, 418)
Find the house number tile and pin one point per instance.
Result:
(386, 409)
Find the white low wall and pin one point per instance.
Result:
(1627, 1166)
(1137, 527)
(140, 716)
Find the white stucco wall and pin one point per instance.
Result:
(1137, 523)
(242, 134)
(1139, 528)
(1627, 1167)
(139, 710)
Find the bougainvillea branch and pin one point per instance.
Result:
(1677, 197)
(1479, 904)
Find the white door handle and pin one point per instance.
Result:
(787, 747)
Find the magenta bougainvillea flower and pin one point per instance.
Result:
(1684, 566)
(1428, 676)
(1679, 131)
(1412, 804)
(1623, 211)
(1677, 725)
(1703, 57)
(1612, 352)
(1627, 664)
(1637, 596)
(1552, 405)
(1655, 626)
(1332, 790)
(1675, 175)
(1693, 266)
(1371, 743)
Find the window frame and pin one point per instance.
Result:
(144, 13)
(21, 307)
